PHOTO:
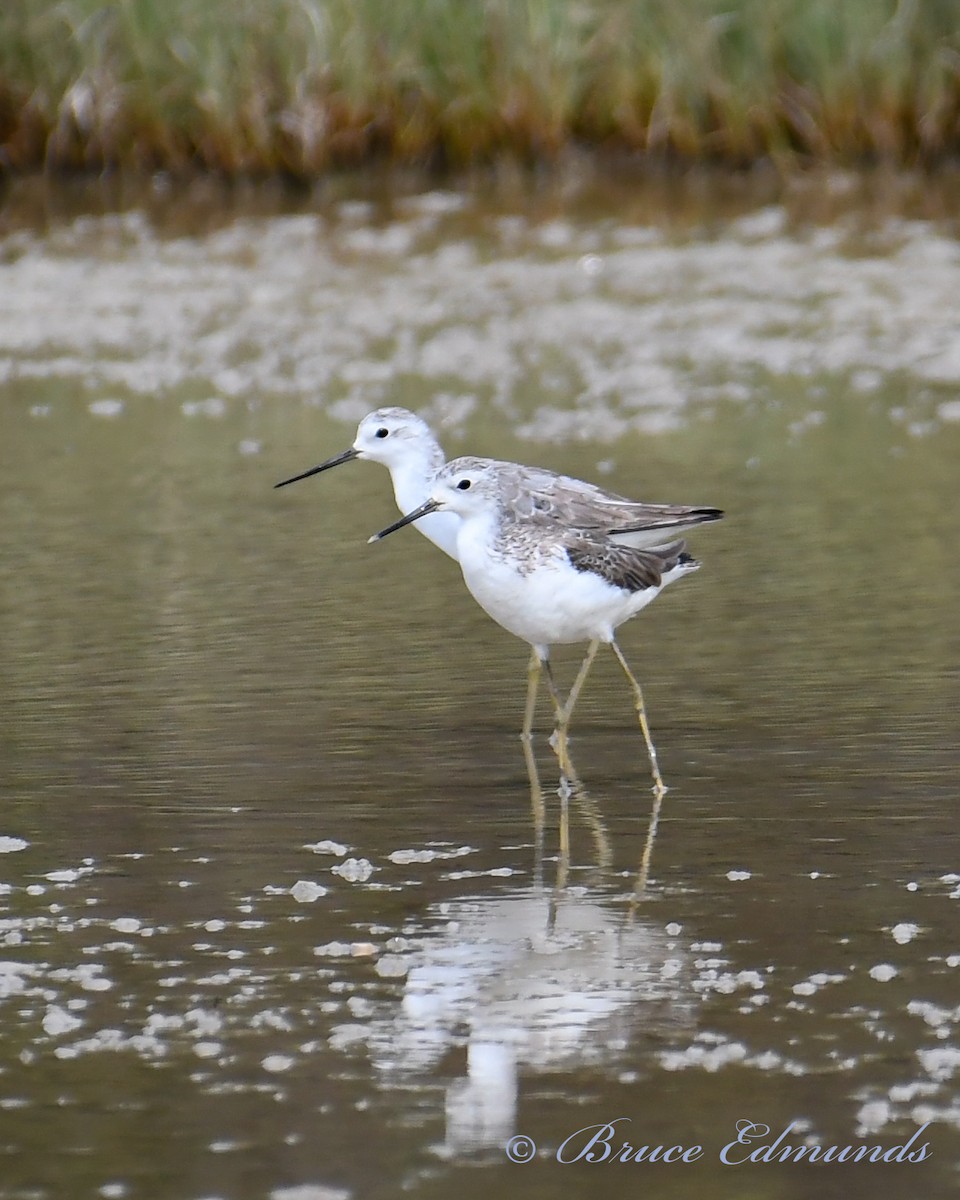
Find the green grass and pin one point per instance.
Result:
(296, 86)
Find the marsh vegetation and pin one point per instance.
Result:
(296, 86)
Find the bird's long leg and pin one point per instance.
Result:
(658, 784)
(564, 711)
(553, 689)
(559, 739)
(578, 683)
(533, 686)
(540, 662)
(563, 858)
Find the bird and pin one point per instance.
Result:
(406, 445)
(549, 569)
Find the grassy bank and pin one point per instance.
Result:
(300, 85)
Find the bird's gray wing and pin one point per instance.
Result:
(534, 492)
(623, 566)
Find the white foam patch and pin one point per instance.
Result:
(883, 972)
(404, 857)
(310, 1191)
(392, 966)
(354, 870)
(277, 1063)
(126, 925)
(105, 408)
(326, 847)
(57, 1021)
(941, 1063)
(65, 875)
(704, 1058)
(304, 891)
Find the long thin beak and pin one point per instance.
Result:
(337, 459)
(428, 506)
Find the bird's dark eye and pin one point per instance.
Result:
(382, 433)
(464, 485)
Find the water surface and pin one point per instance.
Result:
(277, 920)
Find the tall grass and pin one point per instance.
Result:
(298, 85)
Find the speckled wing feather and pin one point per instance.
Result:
(624, 567)
(576, 504)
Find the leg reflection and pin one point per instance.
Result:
(589, 810)
(643, 873)
(571, 789)
(537, 810)
(563, 857)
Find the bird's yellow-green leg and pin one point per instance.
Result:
(563, 861)
(559, 739)
(533, 686)
(553, 689)
(658, 784)
(579, 682)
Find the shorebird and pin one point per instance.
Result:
(551, 570)
(406, 445)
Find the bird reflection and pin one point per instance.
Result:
(577, 970)
(542, 980)
(548, 978)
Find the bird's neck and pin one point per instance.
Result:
(476, 535)
(413, 477)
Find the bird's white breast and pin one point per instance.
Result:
(543, 599)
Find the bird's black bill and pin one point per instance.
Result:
(428, 506)
(337, 459)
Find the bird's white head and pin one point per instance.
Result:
(467, 486)
(399, 439)
(393, 436)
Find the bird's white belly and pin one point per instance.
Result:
(553, 604)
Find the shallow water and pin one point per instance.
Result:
(216, 695)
